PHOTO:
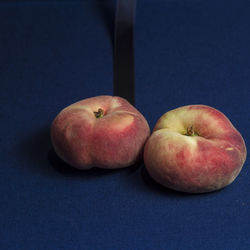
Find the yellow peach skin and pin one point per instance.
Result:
(103, 131)
(194, 149)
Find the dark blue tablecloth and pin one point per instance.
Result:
(53, 53)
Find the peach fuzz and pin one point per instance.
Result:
(103, 131)
(194, 149)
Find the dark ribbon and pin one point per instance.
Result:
(124, 72)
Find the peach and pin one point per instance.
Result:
(103, 131)
(194, 149)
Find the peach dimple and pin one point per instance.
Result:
(121, 122)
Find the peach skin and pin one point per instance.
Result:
(194, 149)
(103, 131)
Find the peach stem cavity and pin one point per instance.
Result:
(99, 113)
(190, 131)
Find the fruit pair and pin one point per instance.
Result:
(192, 149)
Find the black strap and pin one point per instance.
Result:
(124, 72)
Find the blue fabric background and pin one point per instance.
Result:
(53, 53)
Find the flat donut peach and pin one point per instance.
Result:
(103, 131)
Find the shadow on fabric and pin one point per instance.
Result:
(36, 153)
(105, 9)
(32, 151)
(159, 189)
